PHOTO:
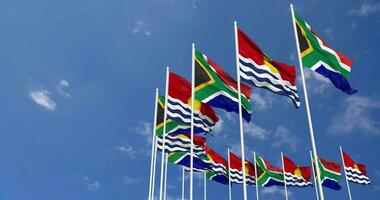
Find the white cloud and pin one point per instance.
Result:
(274, 190)
(262, 101)
(355, 115)
(329, 32)
(256, 131)
(41, 97)
(145, 129)
(316, 83)
(61, 86)
(91, 186)
(283, 137)
(366, 8)
(127, 149)
(130, 181)
(141, 27)
(218, 126)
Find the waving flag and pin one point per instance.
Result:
(296, 175)
(236, 173)
(182, 142)
(355, 172)
(267, 175)
(317, 55)
(258, 69)
(183, 158)
(218, 165)
(171, 125)
(179, 106)
(330, 174)
(216, 88)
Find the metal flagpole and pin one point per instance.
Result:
(154, 168)
(257, 184)
(240, 112)
(204, 186)
(163, 134)
(183, 183)
(152, 160)
(310, 123)
(192, 119)
(345, 175)
(283, 171)
(229, 176)
(166, 174)
(315, 180)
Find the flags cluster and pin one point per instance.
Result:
(188, 108)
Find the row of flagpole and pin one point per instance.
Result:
(163, 173)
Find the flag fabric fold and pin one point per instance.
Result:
(259, 70)
(267, 175)
(296, 175)
(217, 88)
(236, 173)
(182, 143)
(355, 172)
(218, 171)
(179, 106)
(330, 174)
(318, 56)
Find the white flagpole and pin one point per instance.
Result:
(166, 174)
(283, 171)
(345, 175)
(192, 119)
(240, 112)
(183, 183)
(310, 123)
(257, 184)
(315, 180)
(152, 160)
(204, 186)
(154, 168)
(163, 135)
(229, 176)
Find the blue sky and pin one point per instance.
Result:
(78, 80)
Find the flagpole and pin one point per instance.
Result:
(257, 184)
(164, 133)
(166, 174)
(310, 123)
(154, 168)
(204, 186)
(240, 112)
(192, 119)
(345, 175)
(229, 176)
(152, 160)
(315, 181)
(283, 172)
(183, 183)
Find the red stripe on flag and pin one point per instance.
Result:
(217, 158)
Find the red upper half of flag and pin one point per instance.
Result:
(180, 88)
(235, 163)
(349, 162)
(249, 49)
(217, 158)
(270, 167)
(342, 57)
(228, 80)
(296, 170)
(332, 166)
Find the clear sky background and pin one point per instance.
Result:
(78, 79)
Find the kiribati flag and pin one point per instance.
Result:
(259, 70)
(296, 175)
(236, 173)
(330, 174)
(355, 172)
(218, 165)
(217, 88)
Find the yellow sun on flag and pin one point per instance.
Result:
(197, 104)
(297, 172)
(356, 167)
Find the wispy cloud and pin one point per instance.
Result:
(256, 131)
(141, 27)
(91, 186)
(262, 101)
(329, 33)
(316, 83)
(127, 149)
(62, 85)
(130, 180)
(41, 97)
(275, 190)
(145, 129)
(356, 115)
(283, 137)
(366, 8)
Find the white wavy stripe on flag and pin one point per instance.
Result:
(177, 145)
(330, 50)
(175, 115)
(270, 87)
(356, 180)
(187, 169)
(217, 167)
(188, 111)
(197, 116)
(222, 93)
(295, 181)
(265, 68)
(236, 174)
